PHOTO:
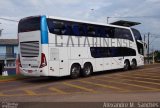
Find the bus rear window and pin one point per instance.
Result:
(29, 24)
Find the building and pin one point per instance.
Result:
(8, 52)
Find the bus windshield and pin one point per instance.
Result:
(29, 24)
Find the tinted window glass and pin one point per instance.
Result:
(100, 52)
(129, 52)
(29, 24)
(123, 34)
(118, 33)
(140, 48)
(110, 32)
(117, 51)
(67, 30)
(55, 26)
(98, 31)
(91, 30)
(137, 34)
(127, 34)
(83, 29)
(75, 29)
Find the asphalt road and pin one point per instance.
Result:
(142, 84)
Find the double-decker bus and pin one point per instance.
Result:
(52, 46)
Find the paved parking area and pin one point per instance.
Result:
(143, 80)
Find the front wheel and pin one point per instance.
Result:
(75, 71)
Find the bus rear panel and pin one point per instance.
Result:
(32, 33)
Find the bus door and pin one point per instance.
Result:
(117, 57)
(53, 61)
(108, 59)
(64, 61)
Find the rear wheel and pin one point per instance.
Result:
(126, 65)
(134, 64)
(87, 70)
(75, 71)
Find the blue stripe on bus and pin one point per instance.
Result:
(44, 30)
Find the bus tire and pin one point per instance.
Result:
(87, 70)
(134, 64)
(126, 65)
(75, 71)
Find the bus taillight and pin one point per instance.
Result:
(43, 60)
(19, 61)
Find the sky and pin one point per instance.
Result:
(147, 12)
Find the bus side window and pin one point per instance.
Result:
(111, 32)
(140, 48)
(75, 29)
(127, 34)
(58, 27)
(82, 30)
(118, 33)
(91, 30)
(107, 32)
(50, 25)
(67, 29)
(129, 52)
(97, 31)
(100, 52)
(102, 32)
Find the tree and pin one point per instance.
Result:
(157, 56)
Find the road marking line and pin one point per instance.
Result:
(138, 80)
(151, 74)
(80, 87)
(102, 85)
(128, 84)
(57, 90)
(145, 91)
(1, 94)
(127, 76)
(151, 71)
(149, 68)
(30, 92)
(137, 72)
(147, 75)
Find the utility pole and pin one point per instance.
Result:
(1, 31)
(153, 56)
(108, 20)
(148, 47)
(144, 50)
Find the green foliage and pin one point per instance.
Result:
(157, 56)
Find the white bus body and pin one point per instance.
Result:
(51, 46)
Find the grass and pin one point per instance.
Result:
(10, 77)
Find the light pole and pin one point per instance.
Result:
(148, 48)
(1, 31)
(108, 19)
